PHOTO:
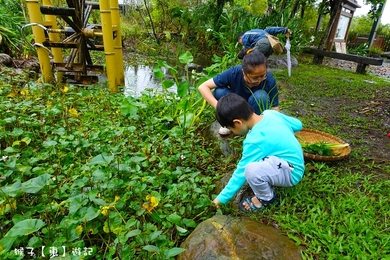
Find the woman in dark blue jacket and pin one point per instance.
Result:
(249, 80)
(256, 39)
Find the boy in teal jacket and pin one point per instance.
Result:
(272, 156)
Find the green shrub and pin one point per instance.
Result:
(10, 23)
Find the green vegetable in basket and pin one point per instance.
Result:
(322, 148)
(319, 148)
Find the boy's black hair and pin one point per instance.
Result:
(231, 107)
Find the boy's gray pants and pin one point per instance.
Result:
(270, 171)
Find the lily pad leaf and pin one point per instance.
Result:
(13, 189)
(76, 203)
(16, 132)
(25, 227)
(101, 159)
(49, 143)
(6, 243)
(36, 184)
(92, 213)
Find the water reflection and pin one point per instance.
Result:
(139, 78)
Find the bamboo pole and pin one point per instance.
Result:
(39, 36)
(109, 47)
(118, 43)
(54, 37)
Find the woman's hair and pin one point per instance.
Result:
(252, 59)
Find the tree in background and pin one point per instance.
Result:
(213, 26)
(362, 25)
(255, 7)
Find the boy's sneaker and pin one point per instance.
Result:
(223, 131)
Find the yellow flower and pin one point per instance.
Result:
(151, 203)
(117, 198)
(24, 92)
(105, 210)
(73, 112)
(13, 94)
(65, 89)
(9, 206)
(79, 229)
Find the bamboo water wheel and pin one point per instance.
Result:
(65, 52)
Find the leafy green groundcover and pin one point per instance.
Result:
(96, 175)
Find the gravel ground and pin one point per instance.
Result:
(381, 71)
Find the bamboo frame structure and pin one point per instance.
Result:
(79, 37)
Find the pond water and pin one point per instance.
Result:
(140, 78)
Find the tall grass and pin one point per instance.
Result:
(12, 19)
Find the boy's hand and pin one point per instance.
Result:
(216, 202)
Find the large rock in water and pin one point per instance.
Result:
(239, 238)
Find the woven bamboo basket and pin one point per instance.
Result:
(313, 136)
